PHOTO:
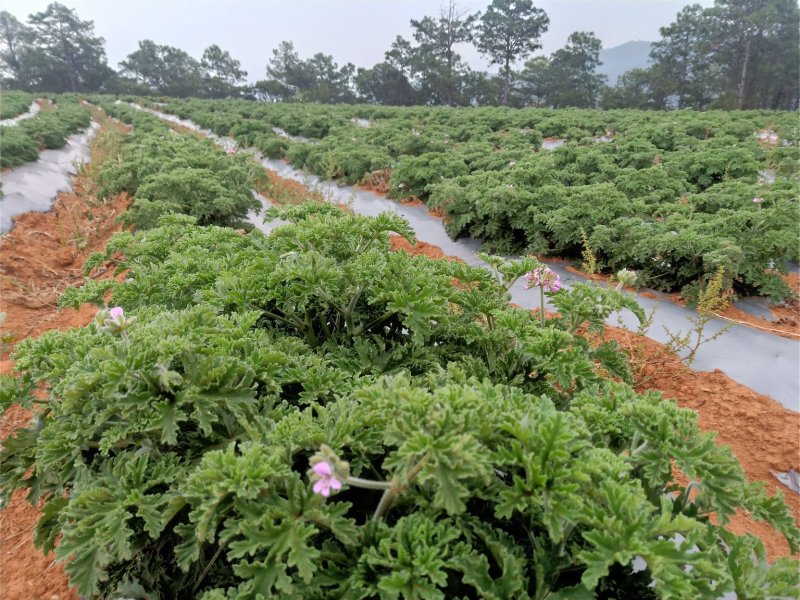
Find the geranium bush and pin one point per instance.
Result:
(309, 415)
(15, 103)
(172, 173)
(49, 129)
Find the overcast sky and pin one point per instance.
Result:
(357, 31)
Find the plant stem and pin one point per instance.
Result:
(384, 504)
(541, 296)
(396, 489)
(369, 484)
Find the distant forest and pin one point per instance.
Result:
(737, 54)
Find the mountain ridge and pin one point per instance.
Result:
(634, 54)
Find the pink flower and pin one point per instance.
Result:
(543, 277)
(759, 200)
(116, 314)
(327, 481)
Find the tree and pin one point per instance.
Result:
(756, 46)
(288, 71)
(685, 73)
(384, 84)
(401, 56)
(572, 77)
(318, 79)
(437, 59)
(510, 30)
(534, 82)
(634, 89)
(330, 83)
(168, 70)
(67, 55)
(15, 48)
(221, 72)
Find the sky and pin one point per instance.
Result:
(357, 31)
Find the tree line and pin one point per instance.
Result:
(736, 54)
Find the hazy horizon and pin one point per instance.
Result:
(250, 29)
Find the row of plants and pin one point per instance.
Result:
(674, 195)
(48, 130)
(169, 172)
(309, 415)
(14, 103)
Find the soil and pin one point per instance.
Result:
(41, 256)
(761, 432)
(284, 191)
(377, 181)
(45, 105)
(400, 243)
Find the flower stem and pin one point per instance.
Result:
(541, 295)
(369, 484)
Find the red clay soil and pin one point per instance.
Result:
(45, 105)
(283, 190)
(400, 243)
(377, 181)
(761, 432)
(42, 255)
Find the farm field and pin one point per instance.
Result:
(674, 196)
(308, 412)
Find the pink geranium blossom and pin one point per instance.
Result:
(327, 480)
(116, 314)
(544, 277)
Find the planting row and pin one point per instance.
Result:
(674, 195)
(49, 129)
(168, 172)
(14, 103)
(309, 415)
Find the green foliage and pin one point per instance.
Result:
(14, 103)
(49, 129)
(16, 147)
(171, 458)
(172, 173)
(669, 195)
